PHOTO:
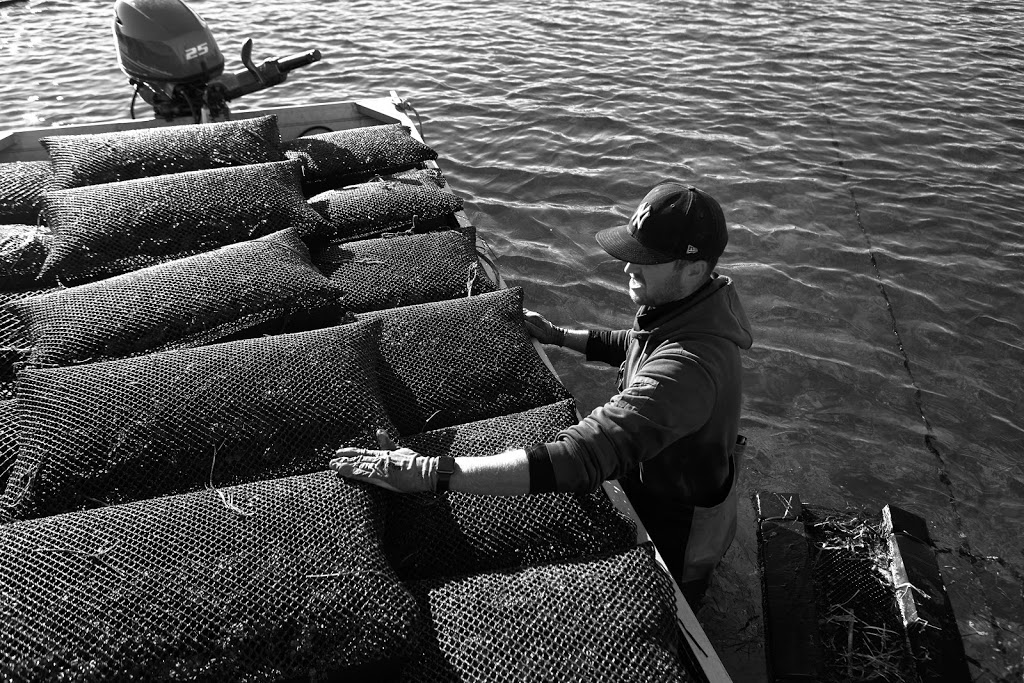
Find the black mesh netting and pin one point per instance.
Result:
(432, 536)
(861, 628)
(103, 230)
(23, 250)
(249, 288)
(171, 422)
(13, 334)
(14, 339)
(260, 582)
(461, 360)
(22, 185)
(606, 618)
(426, 175)
(386, 205)
(8, 438)
(403, 270)
(344, 157)
(124, 155)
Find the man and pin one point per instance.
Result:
(669, 434)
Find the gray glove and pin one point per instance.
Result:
(397, 469)
(542, 330)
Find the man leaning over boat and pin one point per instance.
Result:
(669, 433)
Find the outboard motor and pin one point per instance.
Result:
(169, 55)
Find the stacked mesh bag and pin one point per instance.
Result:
(601, 618)
(285, 581)
(543, 587)
(383, 205)
(510, 587)
(338, 158)
(166, 459)
(166, 490)
(105, 204)
(23, 250)
(23, 247)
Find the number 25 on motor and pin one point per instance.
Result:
(197, 51)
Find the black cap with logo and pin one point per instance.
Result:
(674, 221)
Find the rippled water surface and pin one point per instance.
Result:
(869, 158)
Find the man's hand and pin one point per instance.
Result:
(542, 330)
(397, 469)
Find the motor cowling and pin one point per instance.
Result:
(165, 41)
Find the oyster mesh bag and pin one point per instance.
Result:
(344, 157)
(8, 438)
(14, 340)
(286, 581)
(124, 155)
(23, 250)
(22, 185)
(431, 536)
(461, 360)
(103, 230)
(604, 618)
(386, 205)
(266, 285)
(176, 421)
(403, 270)
(425, 175)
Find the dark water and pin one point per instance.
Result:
(870, 159)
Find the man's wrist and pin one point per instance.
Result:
(560, 333)
(444, 468)
(576, 340)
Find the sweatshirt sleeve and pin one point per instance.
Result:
(669, 398)
(608, 346)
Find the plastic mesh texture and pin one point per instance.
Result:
(458, 361)
(14, 341)
(23, 250)
(425, 175)
(103, 230)
(172, 422)
(404, 270)
(267, 285)
(112, 157)
(288, 582)
(861, 628)
(344, 157)
(386, 205)
(432, 536)
(12, 333)
(606, 618)
(8, 439)
(22, 185)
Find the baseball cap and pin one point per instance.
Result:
(673, 221)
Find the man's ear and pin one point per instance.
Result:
(696, 270)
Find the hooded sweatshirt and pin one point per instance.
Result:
(676, 415)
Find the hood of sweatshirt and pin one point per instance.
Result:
(714, 309)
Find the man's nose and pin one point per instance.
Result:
(631, 268)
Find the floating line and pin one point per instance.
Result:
(930, 440)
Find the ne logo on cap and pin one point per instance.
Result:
(639, 216)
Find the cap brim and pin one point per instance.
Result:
(621, 245)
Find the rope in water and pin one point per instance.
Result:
(930, 440)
